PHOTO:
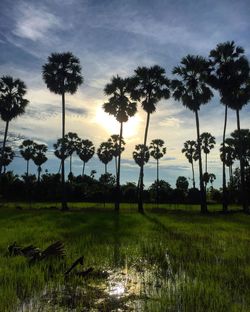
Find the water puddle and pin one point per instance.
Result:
(125, 289)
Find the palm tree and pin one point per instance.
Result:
(157, 151)
(115, 141)
(193, 91)
(149, 86)
(121, 107)
(105, 153)
(190, 151)
(39, 157)
(207, 143)
(12, 103)
(27, 151)
(141, 156)
(228, 155)
(62, 74)
(6, 157)
(85, 150)
(60, 151)
(71, 141)
(230, 70)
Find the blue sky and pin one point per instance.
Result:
(114, 37)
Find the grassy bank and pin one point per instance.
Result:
(170, 259)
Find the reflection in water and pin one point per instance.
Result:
(111, 290)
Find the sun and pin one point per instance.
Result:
(112, 126)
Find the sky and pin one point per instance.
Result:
(113, 37)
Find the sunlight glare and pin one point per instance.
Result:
(112, 126)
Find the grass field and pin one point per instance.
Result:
(170, 259)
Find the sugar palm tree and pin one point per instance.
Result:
(121, 107)
(230, 70)
(148, 86)
(39, 157)
(157, 151)
(60, 151)
(105, 154)
(85, 150)
(207, 143)
(141, 155)
(12, 103)
(228, 155)
(190, 151)
(27, 151)
(193, 91)
(71, 141)
(115, 141)
(6, 157)
(62, 74)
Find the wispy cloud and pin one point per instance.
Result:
(34, 22)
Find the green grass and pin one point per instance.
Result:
(179, 259)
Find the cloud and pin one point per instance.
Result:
(34, 23)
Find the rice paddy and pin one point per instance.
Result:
(170, 259)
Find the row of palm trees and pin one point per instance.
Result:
(226, 70)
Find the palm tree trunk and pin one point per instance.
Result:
(242, 168)
(4, 143)
(83, 168)
(140, 199)
(202, 189)
(116, 167)
(118, 194)
(27, 168)
(64, 201)
(39, 169)
(192, 163)
(224, 182)
(70, 164)
(105, 168)
(157, 179)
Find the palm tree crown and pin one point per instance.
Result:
(141, 154)
(192, 90)
(12, 103)
(62, 73)
(119, 104)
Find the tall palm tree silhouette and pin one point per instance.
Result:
(157, 151)
(105, 154)
(121, 107)
(12, 103)
(71, 143)
(7, 157)
(190, 151)
(27, 151)
(39, 157)
(62, 74)
(193, 91)
(85, 150)
(228, 155)
(229, 75)
(149, 86)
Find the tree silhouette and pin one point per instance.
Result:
(190, 151)
(61, 151)
(39, 157)
(85, 150)
(6, 157)
(229, 75)
(193, 91)
(12, 103)
(115, 141)
(27, 151)
(157, 151)
(141, 157)
(182, 184)
(149, 86)
(105, 154)
(121, 107)
(207, 143)
(227, 155)
(72, 141)
(62, 74)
